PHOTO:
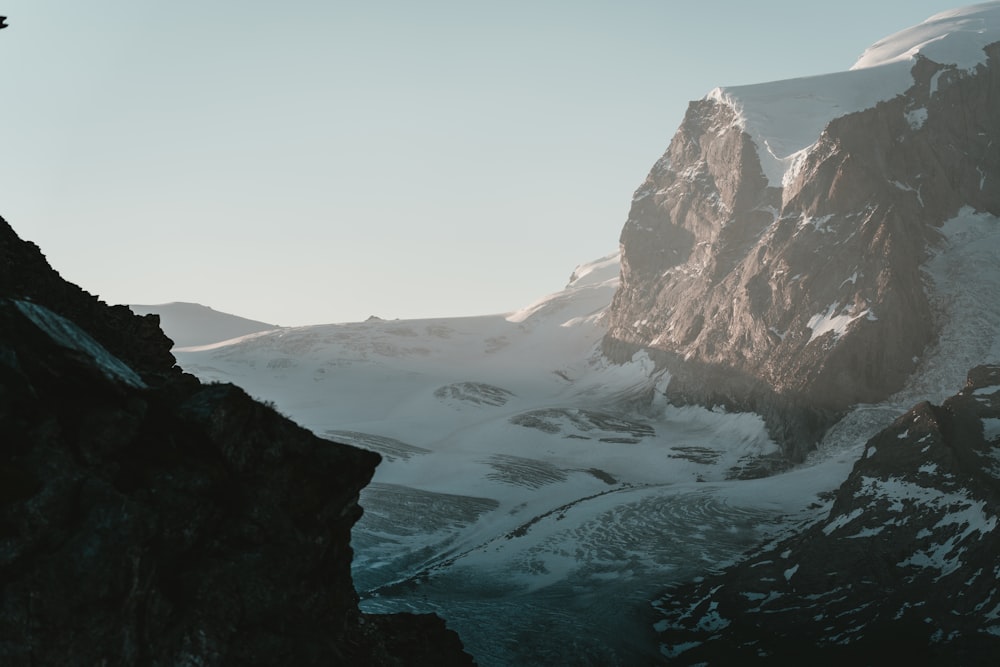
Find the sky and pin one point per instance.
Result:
(319, 161)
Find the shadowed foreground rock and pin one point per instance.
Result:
(147, 519)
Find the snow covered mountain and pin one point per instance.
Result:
(810, 259)
(776, 257)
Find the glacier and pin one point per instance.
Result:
(534, 495)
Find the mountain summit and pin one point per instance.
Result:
(776, 257)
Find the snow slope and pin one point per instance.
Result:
(955, 37)
(963, 283)
(440, 398)
(785, 118)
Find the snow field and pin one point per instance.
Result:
(519, 471)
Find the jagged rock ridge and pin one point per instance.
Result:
(799, 294)
(904, 564)
(147, 519)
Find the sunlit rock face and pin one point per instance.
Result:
(790, 283)
(148, 519)
(904, 563)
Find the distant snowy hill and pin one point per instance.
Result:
(808, 261)
(189, 324)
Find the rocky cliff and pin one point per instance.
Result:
(904, 564)
(778, 271)
(148, 519)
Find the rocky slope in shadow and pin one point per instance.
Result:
(904, 565)
(147, 519)
(797, 300)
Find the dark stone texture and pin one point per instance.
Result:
(161, 521)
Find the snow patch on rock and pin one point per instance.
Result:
(68, 335)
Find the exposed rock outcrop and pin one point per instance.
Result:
(799, 298)
(904, 565)
(147, 519)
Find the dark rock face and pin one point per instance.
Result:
(146, 519)
(138, 341)
(905, 564)
(728, 281)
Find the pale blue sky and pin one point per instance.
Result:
(306, 162)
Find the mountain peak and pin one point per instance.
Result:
(786, 118)
(955, 37)
(777, 255)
